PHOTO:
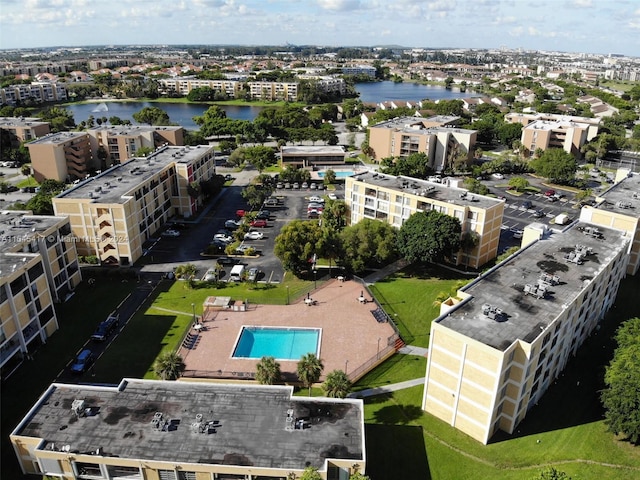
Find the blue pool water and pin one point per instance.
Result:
(280, 343)
(339, 173)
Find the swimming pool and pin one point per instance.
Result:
(339, 173)
(278, 342)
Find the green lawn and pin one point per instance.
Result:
(408, 297)
(27, 182)
(396, 369)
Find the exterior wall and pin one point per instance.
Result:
(570, 139)
(27, 130)
(366, 200)
(480, 390)
(59, 160)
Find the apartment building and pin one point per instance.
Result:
(184, 85)
(435, 136)
(38, 267)
(619, 207)
(367, 70)
(498, 345)
(121, 142)
(37, 92)
(394, 199)
(24, 129)
(157, 430)
(309, 156)
(61, 156)
(114, 213)
(554, 131)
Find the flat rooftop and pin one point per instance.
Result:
(623, 197)
(554, 125)
(112, 185)
(17, 228)
(525, 316)
(131, 130)
(248, 423)
(57, 138)
(404, 122)
(314, 150)
(6, 122)
(429, 190)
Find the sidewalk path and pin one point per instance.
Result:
(370, 392)
(386, 271)
(411, 350)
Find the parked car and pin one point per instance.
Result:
(227, 261)
(263, 215)
(223, 238)
(313, 214)
(211, 275)
(316, 199)
(252, 276)
(83, 361)
(296, 185)
(517, 234)
(313, 186)
(552, 199)
(106, 328)
(279, 185)
(259, 223)
(240, 213)
(171, 233)
(232, 224)
(332, 196)
(538, 214)
(228, 177)
(287, 185)
(498, 176)
(253, 236)
(527, 204)
(305, 185)
(242, 249)
(549, 193)
(271, 202)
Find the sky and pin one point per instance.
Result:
(588, 26)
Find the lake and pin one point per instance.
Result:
(183, 113)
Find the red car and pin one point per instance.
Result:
(259, 223)
(240, 213)
(549, 193)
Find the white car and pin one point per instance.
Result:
(332, 196)
(316, 199)
(253, 236)
(498, 176)
(222, 237)
(171, 233)
(211, 275)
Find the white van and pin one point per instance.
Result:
(236, 273)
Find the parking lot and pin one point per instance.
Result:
(163, 254)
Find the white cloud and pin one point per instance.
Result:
(442, 5)
(339, 5)
(504, 20)
(582, 3)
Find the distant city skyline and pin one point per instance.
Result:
(588, 26)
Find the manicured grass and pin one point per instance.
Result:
(408, 297)
(27, 182)
(564, 430)
(398, 368)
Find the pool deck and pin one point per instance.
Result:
(350, 334)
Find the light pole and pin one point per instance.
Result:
(378, 351)
(287, 294)
(193, 308)
(346, 363)
(315, 279)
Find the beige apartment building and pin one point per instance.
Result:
(38, 267)
(121, 142)
(495, 348)
(545, 131)
(435, 136)
(114, 213)
(36, 92)
(619, 207)
(24, 129)
(394, 199)
(157, 430)
(61, 156)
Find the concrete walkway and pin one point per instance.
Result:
(411, 350)
(370, 392)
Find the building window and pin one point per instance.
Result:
(18, 284)
(35, 272)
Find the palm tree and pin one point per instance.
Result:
(337, 384)
(186, 271)
(268, 371)
(309, 370)
(169, 366)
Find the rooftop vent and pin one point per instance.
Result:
(593, 231)
(547, 278)
(538, 290)
(77, 407)
(624, 205)
(493, 312)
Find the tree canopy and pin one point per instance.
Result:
(296, 244)
(267, 371)
(152, 116)
(555, 165)
(429, 236)
(41, 203)
(414, 165)
(337, 384)
(621, 397)
(368, 244)
(309, 370)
